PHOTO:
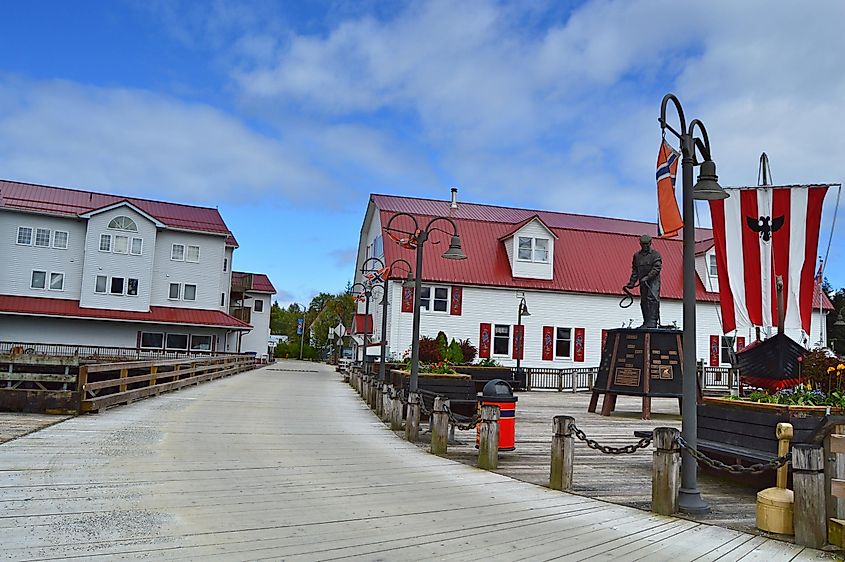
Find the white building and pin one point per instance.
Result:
(569, 268)
(250, 302)
(86, 268)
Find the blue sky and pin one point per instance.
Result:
(286, 115)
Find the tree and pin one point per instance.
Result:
(835, 334)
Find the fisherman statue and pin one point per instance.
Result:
(645, 268)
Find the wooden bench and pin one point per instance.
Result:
(457, 388)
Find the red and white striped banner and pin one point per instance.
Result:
(761, 233)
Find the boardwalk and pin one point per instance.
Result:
(283, 463)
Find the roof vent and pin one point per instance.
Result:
(454, 205)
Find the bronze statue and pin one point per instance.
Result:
(645, 268)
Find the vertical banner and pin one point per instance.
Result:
(579, 345)
(518, 341)
(603, 340)
(484, 341)
(714, 351)
(740, 343)
(457, 301)
(300, 326)
(407, 299)
(548, 343)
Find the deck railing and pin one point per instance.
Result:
(99, 352)
(573, 379)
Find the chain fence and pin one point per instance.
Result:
(758, 468)
(608, 450)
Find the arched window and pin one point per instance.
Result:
(123, 223)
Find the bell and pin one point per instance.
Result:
(454, 252)
(707, 188)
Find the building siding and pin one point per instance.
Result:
(206, 274)
(532, 270)
(256, 340)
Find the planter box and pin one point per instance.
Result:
(482, 375)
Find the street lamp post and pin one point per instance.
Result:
(521, 311)
(707, 188)
(453, 253)
(367, 292)
(381, 369)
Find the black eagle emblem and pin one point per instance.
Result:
(765, 226)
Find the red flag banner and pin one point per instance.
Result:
(518, 341)
(457, 301)
(760, 234)
(548, 343)
(669, 221)
(407, 299)
(603, 340)
(740, 343)
(579, 345)
(715, 351)
(484, 341)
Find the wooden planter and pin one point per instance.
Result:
(483, 375)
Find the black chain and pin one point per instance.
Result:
(758, 468)
(626, 450)
(461, 422)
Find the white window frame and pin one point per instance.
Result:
(210, 340)
(131, 227)
(35, 238)
(50, 281)
(723, 348)
(187, 342)
(142, 346)
(178, 292)
(427, 303)
(55, 237)
(187, 254)
(132, 246)
(712, 270)
(495, 336)
(557, 339)
(534, 250)
(255, 307)
(105, 290)
(122, 287)
(115, 240)
(185, 291)
(31, 236)
(173, 250)
(137, 286)
(105, 237)
(32, 280)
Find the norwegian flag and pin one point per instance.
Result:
(761, 233)
(669, 221)
(379, 275)
(819, 273)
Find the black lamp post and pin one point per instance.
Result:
(707, 188)
(419, 236)
(521, 311)
(367, 292)
(384, 303)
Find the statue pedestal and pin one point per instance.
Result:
(645, 362)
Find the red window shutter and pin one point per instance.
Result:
(603, 340)
(548, 342)
(407, 299)
(579, 345)
(457, 301)
(518, 341)
(740, 343)
(714, 351)
(484, 341)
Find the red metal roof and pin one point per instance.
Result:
(358, 324)
(260, 282)
(37, 306)
(592, 254)
(72, 202)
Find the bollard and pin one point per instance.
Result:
(412, 423)
(396, 411)
(665, 471)
(810, 519)
(385, 402)
(439, 426)
(488, 447)
(563, 450)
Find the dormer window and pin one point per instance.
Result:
(533, 249)
(711, 265)
(123, 223)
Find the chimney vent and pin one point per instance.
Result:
(454, 205)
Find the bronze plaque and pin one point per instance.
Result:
(666, 372)
(627, 376)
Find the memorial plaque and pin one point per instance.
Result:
(641, 362)
(627, 376)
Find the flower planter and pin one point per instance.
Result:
(483, 375)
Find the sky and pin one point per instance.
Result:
(286, 115)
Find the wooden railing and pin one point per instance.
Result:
(98, 352)
(108, 384)
(573, 379)
(716, 378)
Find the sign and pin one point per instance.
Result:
(300, 326)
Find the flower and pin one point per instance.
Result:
(830, 370)
(840, 367)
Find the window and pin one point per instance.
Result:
(132, 287)
(57, 281)
(123, 223)
(117, 285)
(24, 235)
(501, 339)
(177, 252)
(378, 246)
(425, 297)
(563, 342)
(175, 291)
(42, 237)
(39, 280)
(222, 299)
(137, 246)
(121, 245)
(434, 298)
(225, 264)
(105, 242)
(533, 249)
(190, 292)
(101, 284)
(193, 254)
(200, 343)
(711, 265)
(177, 341)
(60, 239)
(727, 348)
(258, 306)
(152, 340)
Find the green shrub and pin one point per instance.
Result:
(454, 354)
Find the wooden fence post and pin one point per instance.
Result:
(124, 373)
(396, 411)
(560, 380)
(665, 471)
(384, 400)
(833, 444)
(153, 372)
(439, 426)
(563, 453)
(810, 514)
(488, 446)
(412, 423)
